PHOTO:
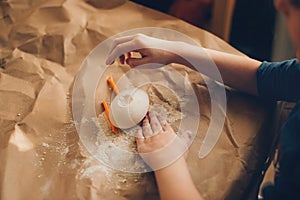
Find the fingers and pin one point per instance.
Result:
(154, 123)
(139, 133)
(120, 40)
(136, 43)
(122, 59)
(139, 136)
(164, 124)
(124, 45)
(133, 62)
(120, 50)
(142, 59)
(147, 130)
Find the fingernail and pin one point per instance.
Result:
(151, 114)
(109, 63)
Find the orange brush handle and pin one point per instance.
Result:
(112, 85)
(106, 109)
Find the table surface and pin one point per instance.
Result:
(42, 44)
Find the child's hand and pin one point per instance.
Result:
(155, 134)
(162, 149)
(157, 142)
(150, 49)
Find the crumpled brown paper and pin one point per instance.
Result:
(42, 44)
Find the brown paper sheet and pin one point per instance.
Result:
(42, 44)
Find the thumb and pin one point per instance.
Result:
(133, 62)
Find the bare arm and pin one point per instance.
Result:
(236, 71)
(174, 180)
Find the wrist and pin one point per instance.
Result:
(180, 51)
(178, 164)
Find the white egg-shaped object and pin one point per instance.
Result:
(128, 108)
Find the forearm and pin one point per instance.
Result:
(175, 183)
(236, 71)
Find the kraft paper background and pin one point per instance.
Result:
(42, 44)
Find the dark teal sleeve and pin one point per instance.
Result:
(279, 81)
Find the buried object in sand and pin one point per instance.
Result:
(128, 108)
